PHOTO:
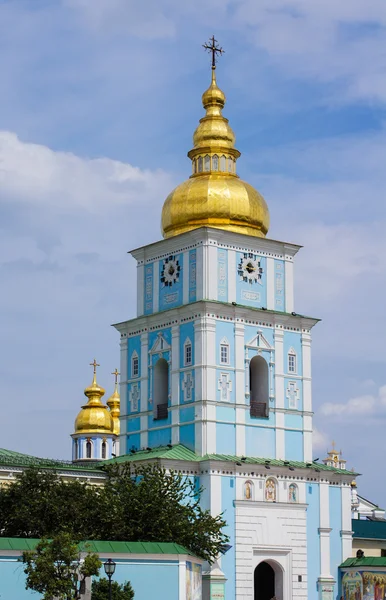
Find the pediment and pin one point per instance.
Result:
(259, 341)
(160, 345)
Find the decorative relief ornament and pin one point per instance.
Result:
(170, 271)
(249, 268)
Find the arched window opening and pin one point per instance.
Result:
(259, 387)
(104, 448)
(194, 166)
(293, 493)
(223, 162)
(200, 164)
(187, 353)
(214, 162)
(161, 389)
(88, 449)
(224, 353)
(248, 490)
(207, 163)
(230, 161)
(75, 449)
(292, 366)
(264, 582)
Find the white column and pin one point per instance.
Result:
(156, 286)
(279, 393)
(185, 277)
(123, 395)
(270, 283)
(175, 385)
(181, 580)
(200, 268)
(307, 396)
(324, 531)
(144, 379)
(289, 284)
(212, 272)
(231, 276)
(240, 388)
(140, 289)
(346, 532)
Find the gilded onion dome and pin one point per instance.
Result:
(114, 403)
(214, 195)
(94, 416)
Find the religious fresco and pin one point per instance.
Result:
(248, 490)
(293, 493)
(364, 586)
(270, 490)
(193, 581)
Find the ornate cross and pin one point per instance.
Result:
(95, 365)
(224, 386)
(292, 395)
(214, 49)
(134, 397)
(188, 384)
(116, 373)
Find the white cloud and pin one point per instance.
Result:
(36, 174)
(320, 440)
(362, 406)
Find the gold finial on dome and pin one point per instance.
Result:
(114, 403)
(94, 416)
(214, 196)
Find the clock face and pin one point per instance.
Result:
(249, 268)
(170, 271)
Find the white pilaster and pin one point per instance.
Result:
(307, 396)
(144, 373)
(270, 283)
(346, 532)
(239, 385)
(289, 285)
(175, 384)
(279, 393)
(140, 290)
(185, 277)
(231, 276)
(212, 273)
(324, 530)
(156, 286)
(200, 267)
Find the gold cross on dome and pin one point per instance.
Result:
(116, 373)
(95, 365)
(214, 49)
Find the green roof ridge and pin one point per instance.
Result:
(11, 458)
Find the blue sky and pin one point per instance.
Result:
(98, 104)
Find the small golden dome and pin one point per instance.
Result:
(214, 196)
(114, 403)
(94, 416)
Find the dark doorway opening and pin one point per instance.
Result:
(264, 582)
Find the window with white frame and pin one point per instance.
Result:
(187, 353)
(224, 353)
(292, 366)
(134, 365)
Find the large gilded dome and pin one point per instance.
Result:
(94, 416)
(214, 195)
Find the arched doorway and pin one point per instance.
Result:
(259, 387)
(264, 582)
(161, 389)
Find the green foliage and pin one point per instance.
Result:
(142, 504)
(100, 590)
(54, 567)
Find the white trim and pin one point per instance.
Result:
(199, 273)
(140, 290)
(156, 286)
(289, 285)
(231, 276)
(185, 277)
(324, 530)
(144, 373)
(270, 273)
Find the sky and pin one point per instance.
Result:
(98, 104)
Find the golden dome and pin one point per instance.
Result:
(94, 416)
(114, 403)
(214, 196)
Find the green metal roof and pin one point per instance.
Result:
(10, 458)
(375, 530)
(103, 547)
(180, 452)
(366, 561)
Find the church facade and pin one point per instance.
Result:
(216, 373)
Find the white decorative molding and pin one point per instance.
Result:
(225, 386)
(292, 395)
(160, 345)
(188, 385)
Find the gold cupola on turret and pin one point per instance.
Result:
(94, 416)
(214, 195)
(114, 403)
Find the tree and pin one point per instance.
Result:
(146, 503)
(100, 590)
(55, 568)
